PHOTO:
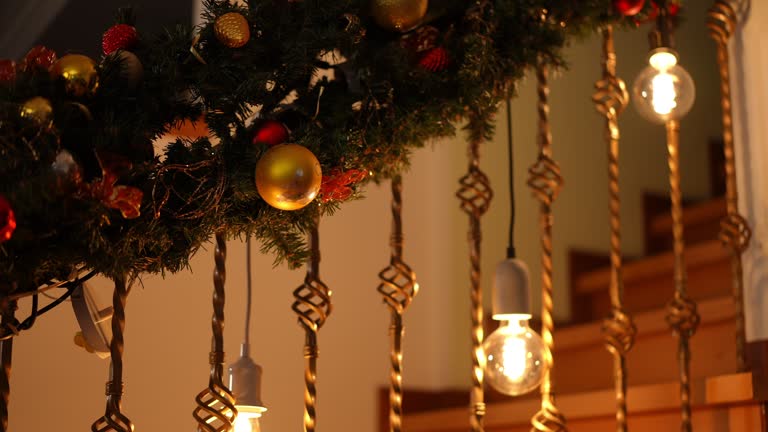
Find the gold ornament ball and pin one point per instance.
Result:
(37, 110)
(399, 15)
(232, 30)
(288, 176)
(79, 74)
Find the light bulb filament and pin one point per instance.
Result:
(664, 98)
(514, 362)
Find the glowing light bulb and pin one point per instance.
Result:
(515, 362)
(663, 91)
(247, 422)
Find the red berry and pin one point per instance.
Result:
(629, 7)
(39, 57)
(7, 71)
(7, 220)
(271, 133)
(119, 36)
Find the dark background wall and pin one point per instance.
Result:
(77, 25)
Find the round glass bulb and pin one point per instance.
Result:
(514, 358)
(663, 91)
(247, 422)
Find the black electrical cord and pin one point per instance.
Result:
(511, 246)
(249, 287)
(18, 326)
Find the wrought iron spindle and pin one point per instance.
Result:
(682, 315)
(398, 287)
(611, 98)
(6, 355)
(735, 232)
(215, 411)
(545, 181)
(313, 306)
(114, 420)
(475, 195)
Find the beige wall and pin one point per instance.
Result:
(56, 385)
(749, 65)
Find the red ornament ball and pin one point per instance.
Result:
(119, 36)
(271, 133)
(7, 220)
(7, 71)
(629, 7)
(39, 57)
(435, 60)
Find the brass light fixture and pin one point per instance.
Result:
(6, 355)
(475, 195)
(244, 374)
(313, 306)
(215, 411)
(735, 232)
(113, 419)
(545, 181)
(664, 93)
(611, 98)
(398, 287)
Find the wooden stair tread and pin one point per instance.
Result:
(731, 389)
(580, 348)
(712, 311)
(696, 255)
(703, 212)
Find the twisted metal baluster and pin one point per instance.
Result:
(682, 315)
(734, 228)
(475, 195)
(6, 354)
(215, 411)
(313, 306)
(611, 98)
(545, 181)
(113, 419)
(398, 287)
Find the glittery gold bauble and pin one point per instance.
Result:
(399, 15)
(37, 110)
(78, 73)
(288, 176)
(232, 30)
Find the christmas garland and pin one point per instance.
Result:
(355, 84)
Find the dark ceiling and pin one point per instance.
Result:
(77, 25)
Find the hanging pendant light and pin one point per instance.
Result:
(245, 374)
(664, 91)
(514, 353)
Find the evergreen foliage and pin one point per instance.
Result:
(374, 109)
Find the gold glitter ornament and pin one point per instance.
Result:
(399, 15)
(37, 111)
(78, 73)
(288, 176)
(232, 30)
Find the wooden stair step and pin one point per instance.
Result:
(580, 348)
(649, 283)
(723, 402)
(701, 221)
